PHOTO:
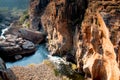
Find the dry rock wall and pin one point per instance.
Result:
(58, 21)
(87, 29)
(98, 41)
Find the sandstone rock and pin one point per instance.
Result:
(55, 25)
(33, 36)
(4, 73)
(93, 36)
(95, 50)
(13, 45)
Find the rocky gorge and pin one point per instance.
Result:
(83, 32)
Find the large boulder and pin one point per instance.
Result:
(33, 36)
(13, 47)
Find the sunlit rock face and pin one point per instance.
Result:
(55, 25)
(58, 21)
(88, 29)
(98, 41)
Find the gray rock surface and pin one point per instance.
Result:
(5, 74)
(12, 46)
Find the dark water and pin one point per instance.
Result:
(36, 58)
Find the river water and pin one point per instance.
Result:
(41, 52)
(36, 58)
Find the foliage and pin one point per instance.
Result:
(66, 72)
(50, 64)
(74, 66)
(24, 17)
(31, 65)
(56, 72)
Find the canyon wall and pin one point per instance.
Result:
(89, 30)
(98, 40)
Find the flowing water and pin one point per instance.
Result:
(13, 6)
(36, 58)
(2, 32)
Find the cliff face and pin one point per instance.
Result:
(58, 21)
(89, 30)
(98, 41)
(36, 8)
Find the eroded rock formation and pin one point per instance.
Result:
(97, 51)
(87, 29)
(58, 21)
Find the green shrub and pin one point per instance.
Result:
(24, 17)
(56, 72)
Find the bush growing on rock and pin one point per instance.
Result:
(24, 17)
